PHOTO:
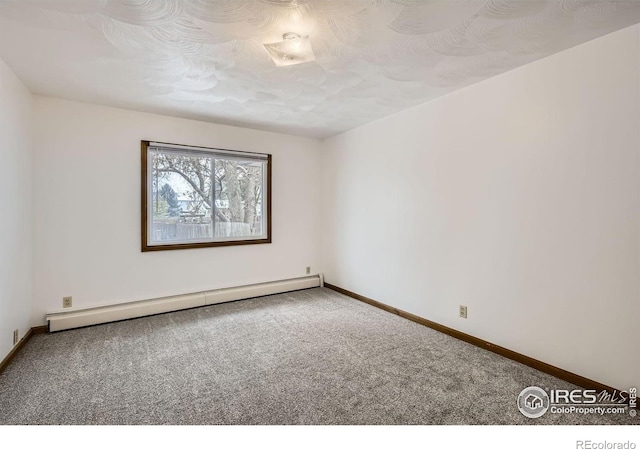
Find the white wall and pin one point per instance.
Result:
(87, 199)
(16, 203)
(518, 197)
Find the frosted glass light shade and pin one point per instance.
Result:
(293, 49)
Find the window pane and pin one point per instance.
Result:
(181, 201)
(238, 198)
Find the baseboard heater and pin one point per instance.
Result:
(64, 320)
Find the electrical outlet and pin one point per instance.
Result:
(463, 311)
(15, 337)
(308, 270)
(67, 301)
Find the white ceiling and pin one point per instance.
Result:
(205, 60)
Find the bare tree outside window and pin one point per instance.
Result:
(195, 197)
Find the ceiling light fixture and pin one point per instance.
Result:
(294, 49)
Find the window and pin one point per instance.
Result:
(199, 197)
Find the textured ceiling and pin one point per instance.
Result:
(205, 59)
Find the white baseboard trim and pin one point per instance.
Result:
(71, 319)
